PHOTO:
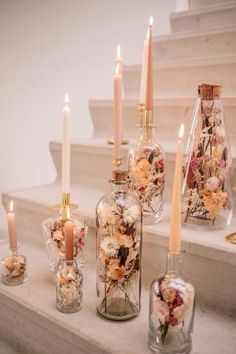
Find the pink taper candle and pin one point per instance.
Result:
(144, 72)
(149, 81)
(175, 219)
(12, 228)
(69, 238)
(117, 80)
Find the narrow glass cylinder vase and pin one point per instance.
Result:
(14, 269)
(146, 166)
(171, 311)
(207, 201)
(119, 246)
(69, 287)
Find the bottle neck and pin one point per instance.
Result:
(173, 263)
(119, 186)
(14, 252)
(147, 133)
(147, 125)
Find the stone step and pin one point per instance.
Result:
(165, 109)
(205, 17)
(209, 260)
(196, 4)
(31, 322)
(180, 78)
(210, 42)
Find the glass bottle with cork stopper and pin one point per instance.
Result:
(207, 201)
(119, 247)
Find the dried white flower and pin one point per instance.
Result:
(131, 214)
(110, 246)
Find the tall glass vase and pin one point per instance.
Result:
(146, 165)
(207, 201)
(119, 246)
(171, 311)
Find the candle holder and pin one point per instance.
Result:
(14, 269)
(119, 247)
(146, 168)
(53, 231)
(69, 287)
(171, 313)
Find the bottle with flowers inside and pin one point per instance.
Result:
(207, 201)
(171, 310)
(146, 159)
(119, 237)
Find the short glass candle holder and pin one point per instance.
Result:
(171, 312)
(14, 269)
(53, 231)
(69, 287)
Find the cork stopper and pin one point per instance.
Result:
(209, 92)
(119, 176)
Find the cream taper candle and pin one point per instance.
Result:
(119, 60)
(117, 81)
(66, 147)
(175, 218)
(12, 228)
(149, 80)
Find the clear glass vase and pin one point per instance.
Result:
(171, 311)
(53, 231)
(146, 166)
(119, 246)
(14, 269)
(207, 201)
(69, 287)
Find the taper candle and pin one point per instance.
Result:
(69, 238)
(149, 80)
(11, 222)
(117, 80)
(66, 148)
(119, 60)
(175, 219)
(144, 71)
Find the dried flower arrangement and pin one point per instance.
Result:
(147, 176)
(206, 171)
(118, 252)
(172, 306)
(53, 230)
(14, 269)
(69, 287)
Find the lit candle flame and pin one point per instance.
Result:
(181, 131)
(66, 99)
(118, 51)
(150, 21)
(117, 68)
(11, 205)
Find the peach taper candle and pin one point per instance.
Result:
(69, 238)
(11, 222)
(144, 71)
(149, 80)
(175, 219)
(117, 81)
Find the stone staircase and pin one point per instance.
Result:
(201, 48)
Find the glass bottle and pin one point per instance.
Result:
(207, 201)
(119, 246)
(171, 311)
(146, 166)
(69, 287)
(14, 269)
